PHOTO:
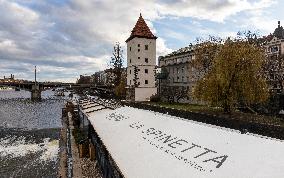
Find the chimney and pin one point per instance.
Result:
(279, 24)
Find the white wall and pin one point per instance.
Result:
(140, 63)
(144, 94)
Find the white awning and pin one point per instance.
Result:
(146, 144)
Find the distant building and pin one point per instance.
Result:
(275, 51)
(11, 78)
(84, 79)
(141, 62)
(177, 73)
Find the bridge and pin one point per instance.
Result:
(28, 85)
(37, 87)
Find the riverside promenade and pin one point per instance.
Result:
(142, 143)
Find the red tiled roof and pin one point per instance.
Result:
(141, 30)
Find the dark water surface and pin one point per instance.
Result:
(29, 134)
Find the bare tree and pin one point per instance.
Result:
(117, 62)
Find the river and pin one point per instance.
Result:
(29, 134)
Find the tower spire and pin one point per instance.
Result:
(141, 30)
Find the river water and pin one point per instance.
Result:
(29, 134)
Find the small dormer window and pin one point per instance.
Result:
(274, 49)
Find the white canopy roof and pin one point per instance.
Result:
(146, 144)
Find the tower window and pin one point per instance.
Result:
(138, 50)
(146, 60)
(138, 45)
(274, 49)
(138, 57)
(146, 71)
(129, 48)
(146, 81)
(130, 71)
(129, 60)
(146, 47)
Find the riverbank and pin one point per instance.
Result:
(71, 164)
(243, 122)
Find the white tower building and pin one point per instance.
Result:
(141, 62)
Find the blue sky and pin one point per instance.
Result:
(66, 38)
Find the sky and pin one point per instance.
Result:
(69, 38)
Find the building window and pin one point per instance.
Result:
(274, 49)
(129, 48)
(130, 82)
(187, 79)
(177, 79)
(182, 78)
(146, 60)
(146, 47)
(146, 71)
(138, 45)
(177, 70)
(129, 60)
(146, 81)
(182, 69)
(138, 50)
(173, 79)
(138, 57)
(130, 71)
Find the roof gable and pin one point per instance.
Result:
(141, 30)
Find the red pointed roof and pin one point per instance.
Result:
(141, 30)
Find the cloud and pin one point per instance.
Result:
(72, 37)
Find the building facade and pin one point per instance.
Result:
(275, 66)
(178, 82)
(141, 62)
(180, 76)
